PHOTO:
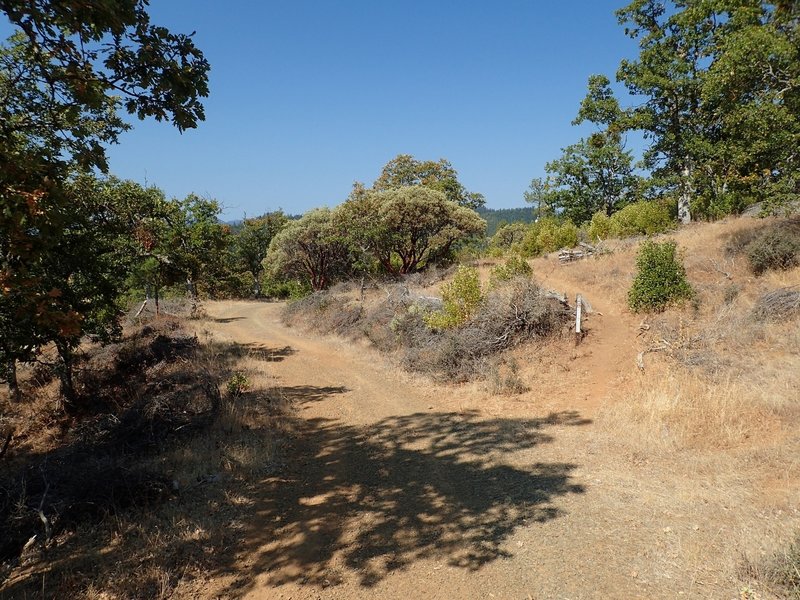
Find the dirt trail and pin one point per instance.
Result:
(396, 489)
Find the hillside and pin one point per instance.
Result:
(332, 473)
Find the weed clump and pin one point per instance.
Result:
(515, 266)
(461, 298)
(660, 279)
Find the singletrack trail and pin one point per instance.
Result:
(399, 488)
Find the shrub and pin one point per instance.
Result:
(461, 298)
(600, 228)
(515, 266)
(285, 290)
(660, 279)
(511, 314)
(547, 235)
(774, 249)
(639, 218)
(237, 384)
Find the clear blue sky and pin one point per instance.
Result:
(307, 97)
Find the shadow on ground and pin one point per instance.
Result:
(230, 352)
(374, 500)
(350, 504)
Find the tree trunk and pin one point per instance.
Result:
(65, 374)
(13, 385)
(155, 297)
(192, 297)
(684, 215)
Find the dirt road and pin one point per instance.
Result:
(399, 489)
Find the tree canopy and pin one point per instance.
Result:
(406, 228)
(311, 248)
(404, 170)
(64, 74)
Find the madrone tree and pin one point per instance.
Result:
(404, 170)
(407, 228)
(311, 249)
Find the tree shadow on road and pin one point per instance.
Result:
(374, 500)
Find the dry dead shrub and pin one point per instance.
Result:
(775, 245)
(778, 304)
(511, 314)
(394, 321)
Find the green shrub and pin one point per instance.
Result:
(641, 218)
(285, 290)
(660, 279)
(600, 228)
(515, 266)
(547, 235)
(774, 249)
(461, 298)
(237, 384)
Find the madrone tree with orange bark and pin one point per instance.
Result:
(405, 229)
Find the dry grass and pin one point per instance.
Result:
(688, 412)
(150, 547)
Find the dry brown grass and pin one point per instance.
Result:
(151, 549)
(728, 377)
(680, 411)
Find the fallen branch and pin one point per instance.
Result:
(718, 269)
(48, 528)
(778, 304)
(640, 356)
(139, 312)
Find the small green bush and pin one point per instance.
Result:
(237, 384)
(774, 249)
(461, 298)
(660, 279)
(285, 290)
(515, 266)
(600, 227)
(547, 235)
(641, 218)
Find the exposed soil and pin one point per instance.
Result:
(399, 488)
